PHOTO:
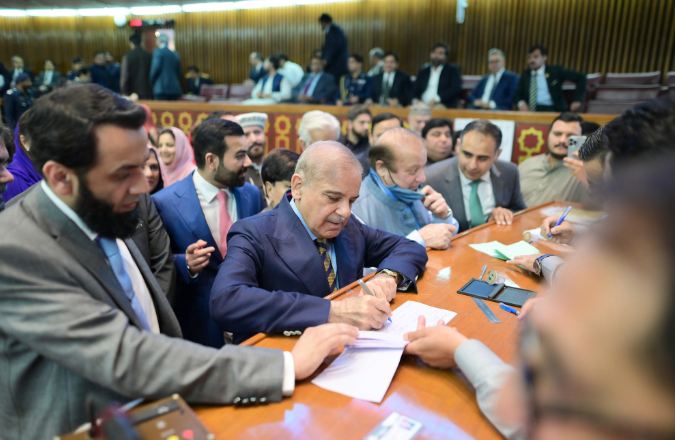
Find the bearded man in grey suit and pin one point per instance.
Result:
(476, 185)
(83, 318)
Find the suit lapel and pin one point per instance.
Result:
(345, 249)
(190, 210)
(297, 251)
(73, 240)
(455, 193)
(167, 320)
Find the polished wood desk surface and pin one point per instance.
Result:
(436, 398)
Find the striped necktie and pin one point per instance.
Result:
(322, 245)
(533, 92)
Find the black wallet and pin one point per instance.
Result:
(512, 296)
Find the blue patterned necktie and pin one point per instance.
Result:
(111, 251)
(322, 245)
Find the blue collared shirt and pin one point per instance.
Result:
(543, 94)
(315, 77)
(331, 247)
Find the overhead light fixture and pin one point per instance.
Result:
(12, 13)
(103, 12)
(156, 10)
(251, 4)
(56, 12)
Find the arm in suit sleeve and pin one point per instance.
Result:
(393, 252)
(505, 99)
(579, 79)
(125, 77)
(454, 89)
(522, 92)
(330, 48)
(156, 66)
(9, 103)
(161, 261)
(94, 340)
(420, 84)
(406, 91)
(487, 373)
(477, 92)
(239, 305)
(517, 202)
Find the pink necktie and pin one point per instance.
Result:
(224, 221)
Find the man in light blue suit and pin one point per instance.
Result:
(496, 90)
(198, 212)
(283, 262)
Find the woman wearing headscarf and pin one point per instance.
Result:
(175, 154)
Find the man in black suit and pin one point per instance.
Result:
(195, 80)
(317, 86)
(392, 87)
(439, 83)
(136, 70)
(545, 94)
(334, 51)
(17, 69)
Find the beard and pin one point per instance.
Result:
(256, 151)
(362, 137)
(100, 216)
(228, 178)
(557, 155)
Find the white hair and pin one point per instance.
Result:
(495, 51)
(317, 120)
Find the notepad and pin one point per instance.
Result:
(490, 248)
(365, 370)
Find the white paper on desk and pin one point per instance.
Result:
(366, 373)
(488, 248)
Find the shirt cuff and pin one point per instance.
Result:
(549, 266)
(416, 237)
(288, 385)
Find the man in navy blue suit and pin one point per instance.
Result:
(496, 90)
(335, 50)
(198, 212)
(283, 262)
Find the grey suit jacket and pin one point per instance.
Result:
(67, 333)
(443, 176)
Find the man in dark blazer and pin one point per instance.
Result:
(317, 86)
(197, 213)
(283, 262)
(165, 71)
(335, 50)
(135, 76)
(477, 186)
(17, 69)
(545, 93)
(195, 80)
(495, 91)
(82, 315)
(392, 87)
(439, 83)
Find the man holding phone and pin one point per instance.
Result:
(547, 177)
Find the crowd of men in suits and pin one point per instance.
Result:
(336, 76)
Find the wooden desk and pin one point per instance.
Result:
(436, 398)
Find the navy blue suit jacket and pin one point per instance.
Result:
(273, 277)
(502, 94)
(325, 91)
(184, 220)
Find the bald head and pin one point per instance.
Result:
(399, 158)
(325, 184)
(325, 160)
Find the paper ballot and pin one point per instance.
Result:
(365, 369)
(505, 252)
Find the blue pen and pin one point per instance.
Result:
(509, 309)
(562, 218)
(369, 292)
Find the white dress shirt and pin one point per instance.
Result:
(293, 72)
(137, 280)
(431, 93)
(543, 94)
(491, 83)
(47, 80)
(388, 79)
(485, 194)
(206, 193)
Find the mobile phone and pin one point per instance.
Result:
(574, 144)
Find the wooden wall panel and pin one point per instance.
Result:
(592, 36)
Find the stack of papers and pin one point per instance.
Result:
(505, 252)
(365, 369)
